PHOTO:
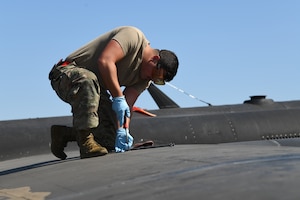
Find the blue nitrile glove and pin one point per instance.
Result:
(121, 108)
(123, 141)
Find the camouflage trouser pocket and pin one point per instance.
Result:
(61, 81)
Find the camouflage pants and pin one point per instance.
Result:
(91, 105)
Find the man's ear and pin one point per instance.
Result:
(156, 58)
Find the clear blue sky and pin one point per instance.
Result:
(228, 50)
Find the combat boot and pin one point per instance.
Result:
(88, 146)
(60, 136)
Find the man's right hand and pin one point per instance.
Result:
(121, 108)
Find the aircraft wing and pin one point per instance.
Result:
(244, 151)
(245, 170)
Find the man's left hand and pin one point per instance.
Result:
(123, 141)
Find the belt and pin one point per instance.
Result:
(62, 63)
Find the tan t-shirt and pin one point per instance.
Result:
(132, 41)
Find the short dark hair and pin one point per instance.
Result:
(168, 61)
